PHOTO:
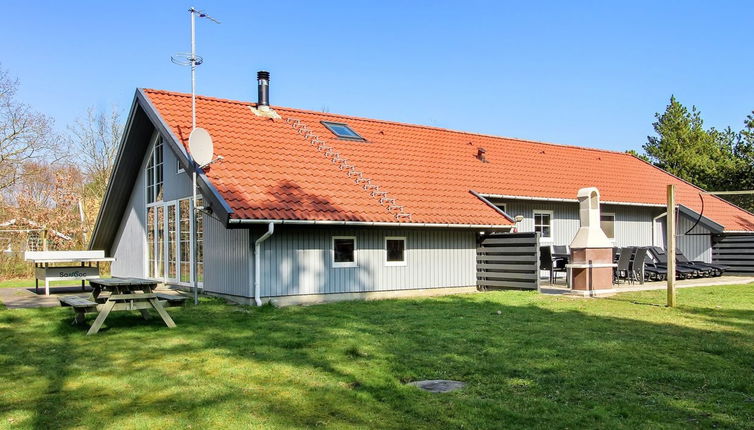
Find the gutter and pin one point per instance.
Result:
(553, 199)
(258, 262)
(241, 222)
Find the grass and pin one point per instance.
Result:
(542, 362)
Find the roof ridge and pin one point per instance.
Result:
(329, 152)
(390, 122)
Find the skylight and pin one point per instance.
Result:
(342, 130)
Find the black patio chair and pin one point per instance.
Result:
(637, 266)
(623, 271)
(681, 271)
(714, 269)
(550, 263)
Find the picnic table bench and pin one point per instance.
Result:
(126, 294)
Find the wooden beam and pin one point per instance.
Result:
(670, 245)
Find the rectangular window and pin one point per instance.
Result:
(343, 251)
(160, 248)
(395, 251)
(543, 224)
(154, 173)
(342, 130)
(200, 242)
(172, 243)
(607, 222)
(184, 225)
(151, 261)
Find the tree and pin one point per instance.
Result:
(25, 135)
(96, 137)
(715, 160)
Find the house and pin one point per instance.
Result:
(21, 234)
(312, 206)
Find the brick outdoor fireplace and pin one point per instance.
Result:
(591, 265)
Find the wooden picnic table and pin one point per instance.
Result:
(126, 294)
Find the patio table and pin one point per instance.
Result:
(126, 294)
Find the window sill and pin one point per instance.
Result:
(344, 265)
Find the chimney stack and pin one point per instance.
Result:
(263, 92)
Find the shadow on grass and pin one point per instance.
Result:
(345, 365)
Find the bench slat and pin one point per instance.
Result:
(76, 302)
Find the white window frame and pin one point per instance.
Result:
(344, 264)
(552, 219)
(612, 214)
(502, 206)
(396, 263)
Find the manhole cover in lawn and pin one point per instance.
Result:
(438, 385)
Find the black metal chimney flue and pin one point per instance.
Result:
(263, 84)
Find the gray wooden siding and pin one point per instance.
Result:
(297, 260)
(226, 259)
(633, 224)
(176, 185)
(697, 246)
(129, 245)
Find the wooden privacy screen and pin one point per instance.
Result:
(508, 260)
(735, 251)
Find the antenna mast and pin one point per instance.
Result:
(191, 59)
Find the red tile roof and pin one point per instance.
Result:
(270, 171)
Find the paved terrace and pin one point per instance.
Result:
(18, 298)
(559, 286)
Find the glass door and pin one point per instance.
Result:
(171, 242)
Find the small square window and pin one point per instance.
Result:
(395, 251)
(342, 130)
(343, 251)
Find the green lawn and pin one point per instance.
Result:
(543, 362)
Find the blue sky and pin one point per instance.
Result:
(581, 73)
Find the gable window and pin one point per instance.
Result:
(543, 224)
(154, 173)
(395, 251)
(342, 130)
(344, 251)
(607, 223)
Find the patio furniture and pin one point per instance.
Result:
(715, 269)
(681, 270)
(65, 266)
(126, 294)
(637, 266)
(623, 269)
(547, 261)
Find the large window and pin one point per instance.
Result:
(543, 224)
(343, 251)
(395, 251)
(607, 222)
(151, 258)
(200, 243)
(184, 225)
(154, 173)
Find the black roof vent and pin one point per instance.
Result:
(263, 88)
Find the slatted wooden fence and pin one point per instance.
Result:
(735, 251)
(508, 260)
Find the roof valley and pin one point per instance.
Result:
(366, 184)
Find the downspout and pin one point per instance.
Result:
(258, 262)
(654, 226)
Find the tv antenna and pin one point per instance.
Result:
(200, 142)
(191, 59)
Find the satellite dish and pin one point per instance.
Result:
(200, 146)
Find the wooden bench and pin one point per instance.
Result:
(171, 300)
(80, 305)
